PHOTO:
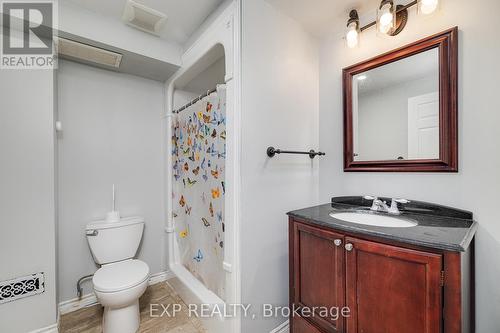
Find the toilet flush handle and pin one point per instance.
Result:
(92, 232)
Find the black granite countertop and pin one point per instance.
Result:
(439, 227)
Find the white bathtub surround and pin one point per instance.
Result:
(199, 188)
(193, 292)
(220, 38)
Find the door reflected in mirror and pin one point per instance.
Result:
(396, 110)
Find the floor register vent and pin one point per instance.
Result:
(12, 290)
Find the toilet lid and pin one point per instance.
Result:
(120, 275)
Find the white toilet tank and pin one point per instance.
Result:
(114, 241)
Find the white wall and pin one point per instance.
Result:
(112, 134)
(207, 24)
(27, 212)
(182, 97)
(279, 108)
(206, 80)
(476, 186)
(209, 78)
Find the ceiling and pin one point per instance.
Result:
(319, 17)
(183, 16)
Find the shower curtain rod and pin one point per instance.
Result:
(197, 99)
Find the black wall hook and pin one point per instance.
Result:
(271, 151)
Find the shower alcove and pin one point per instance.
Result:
(201, 166)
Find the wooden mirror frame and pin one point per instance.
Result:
(447, 43)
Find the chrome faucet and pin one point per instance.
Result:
(394, 206)
(377, 205)
(381, 206)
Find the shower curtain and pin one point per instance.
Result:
(199, 153)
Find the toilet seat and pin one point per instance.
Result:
(120, 276)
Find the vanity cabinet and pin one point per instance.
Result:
(392, 289)
(302, 326)
(387, 287)
(319, 273)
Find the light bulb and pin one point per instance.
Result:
(386, 18)
(428, 6)
(352, 35)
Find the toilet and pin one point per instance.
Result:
(121, 280)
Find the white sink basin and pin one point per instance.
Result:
(374, 219)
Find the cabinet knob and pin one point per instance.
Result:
(349, 247)
(337, 242)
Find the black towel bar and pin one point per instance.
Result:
(271, 151)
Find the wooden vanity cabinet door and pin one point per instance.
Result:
(391, 289)
(302, 326)
(318, 274)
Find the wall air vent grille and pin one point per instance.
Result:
(143, 18)
(90, 54)
(21, 287)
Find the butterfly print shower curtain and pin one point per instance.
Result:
(199, 154)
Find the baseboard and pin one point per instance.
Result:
(49, 329)
(283, 328)
(160, 277)
(90, 299)
(77, 304)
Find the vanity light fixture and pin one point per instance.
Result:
(391, 19)
(385, 16)
(352, 34)
(362, 77)
(427, 7)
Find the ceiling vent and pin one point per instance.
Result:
(87, 53)
(143, 18)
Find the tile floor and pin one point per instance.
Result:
(88, 320)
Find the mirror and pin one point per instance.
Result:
(396, 110)
(400, 109)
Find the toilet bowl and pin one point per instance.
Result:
(118, 287)
(121, 280)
